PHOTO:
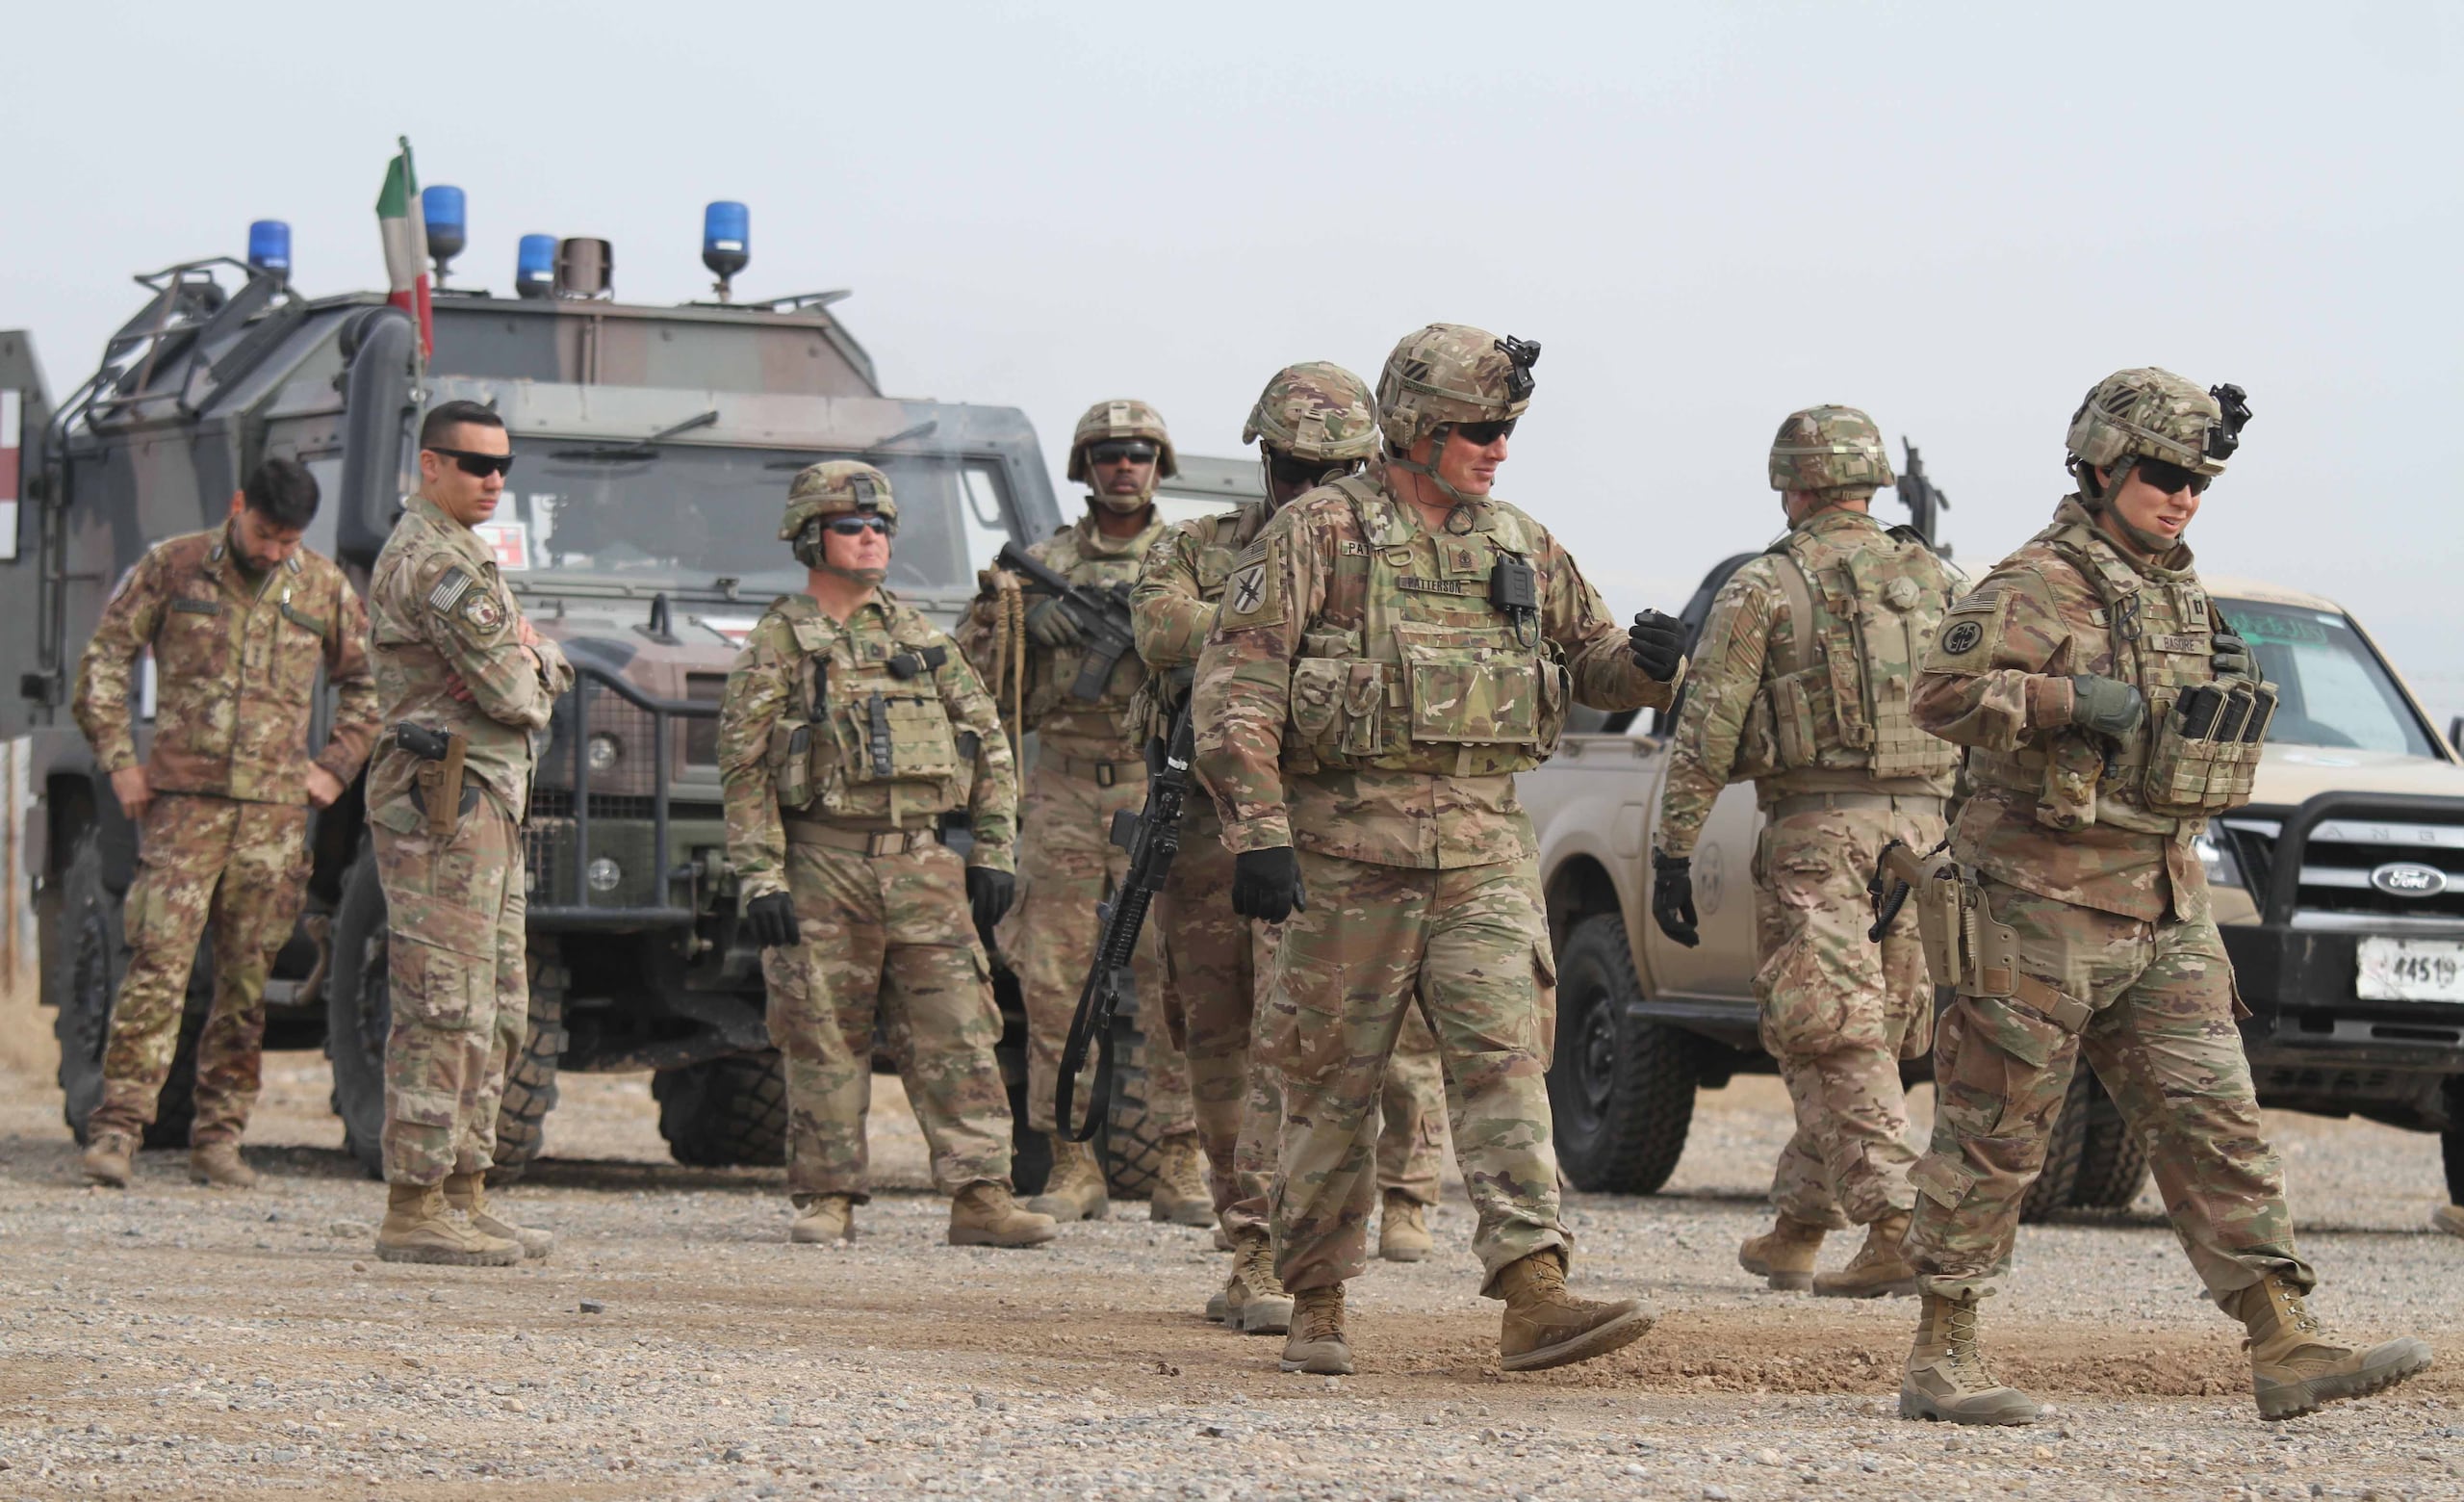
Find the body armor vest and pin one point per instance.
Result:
(867, 736)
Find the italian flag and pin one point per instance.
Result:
(397, 216)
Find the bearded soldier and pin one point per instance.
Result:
(2110, 712)
(1801, 684)
(850, 726)
(1389, 651)
(1089, 765)
(1312, 425)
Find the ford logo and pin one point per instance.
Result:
(2409, 879)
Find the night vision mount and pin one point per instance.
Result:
(2224, 435)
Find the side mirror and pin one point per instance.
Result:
(381, 398)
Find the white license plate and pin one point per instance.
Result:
(2411, 970)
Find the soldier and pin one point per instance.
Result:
(455, 658)
(2108, 712)
(1089, 765)
(850, 726)
(1313, 425)
(239, 620)
(1389, 652)
(1801, 684)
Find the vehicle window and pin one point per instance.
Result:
(2332, 689)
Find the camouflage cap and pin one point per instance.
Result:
(1829, 448)
(2149, 413)
(834, 487)
(1316, 412)
(1451, 373)
(1121, 418)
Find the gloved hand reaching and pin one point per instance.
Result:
(1658, 644)
(2107, 705)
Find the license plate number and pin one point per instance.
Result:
(2411, 970)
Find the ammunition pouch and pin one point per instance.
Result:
(791, 778)
(2206, 749)
(1456, 702)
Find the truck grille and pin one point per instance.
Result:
(2361, 873)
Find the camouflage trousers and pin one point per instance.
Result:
(1213, 959)
(1838, 1011)
(1470, 949)
(2163, 1040)
(890, 936)
(239, 868)
(1066, 859)
(460, 986)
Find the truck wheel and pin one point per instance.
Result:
(530, 1077)
(1621, 1092)
(2452, 1140)
(359, 1013)
(2054, 1188)
(2113, 1162)
(1133, 1151)
(96, 955)
(726, 1111)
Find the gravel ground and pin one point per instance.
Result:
(170, 1341)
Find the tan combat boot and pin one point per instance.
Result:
(985, 1214)
(1317, 1343)
(106, 1160)
(1402, 1228)
(1181, 1196)
(2448, 1218)
(1546, 1326)
(1878, 1268)
(1783, 1257)
(1076, 1191)
(469, 1194)
(822, 1219)
(1946, 1376)
(420, 1227)
(1254, 1302)
(219, 1164)
(2296, 1366)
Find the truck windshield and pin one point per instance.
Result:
(2333, 689)
(683, 515)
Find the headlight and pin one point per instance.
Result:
(604, 874)
(2217, 857)
(604, 752)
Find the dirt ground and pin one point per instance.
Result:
(168, 1340)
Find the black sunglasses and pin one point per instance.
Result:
(1292, 470)
(478, 464)
(858, 526)
(1135, 451)
(1482, 434)
(2172, 477)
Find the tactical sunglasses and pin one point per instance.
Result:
(481, 465)
(1293, 470)
(1479, 435)
(2172, 477)
(1135, 451)
(858, 526)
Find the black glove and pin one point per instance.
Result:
(1673, 898)
(772, 917)
(988, 896)
(1658, 644)
(1265, 884)
(2232, 658)
(2107, 705)
(1051, 625)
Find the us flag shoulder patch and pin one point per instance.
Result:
(448, 591)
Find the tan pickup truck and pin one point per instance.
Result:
(2341, 890)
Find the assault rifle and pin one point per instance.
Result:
(1152, 837)
(1925, 502)
(1102, 616)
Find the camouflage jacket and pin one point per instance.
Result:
(1097, 731)
(1182, 580)
(854, 725)
(2057, 811)
(235, 671)
(438, 610)
(1359, 695)
(1765, 699)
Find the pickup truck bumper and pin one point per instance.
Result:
(2316, 1047)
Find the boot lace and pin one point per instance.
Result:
(1322, 1314)
(1257, 1269)
(1968, 1360)
(2296, 1309)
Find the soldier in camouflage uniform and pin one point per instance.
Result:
(2108, 713)
(455, 656)
(1801, 684)
(850, 726)
(238, 619)
(1089, 765)
(1389, 651)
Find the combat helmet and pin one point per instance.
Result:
(1829, 448)
(1316, 412)
(2147, 413)
(1448, 373)
(833, 487)
(1121, 418)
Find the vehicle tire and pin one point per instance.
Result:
(95, 955)
(2054, 1188)
(2452, 1140)
(1132, 1149)
(359, 1012)
(726, 1111)
(2113, 1162)
(1621, 1092)
(530, 1077)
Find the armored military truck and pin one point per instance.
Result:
(638, 530)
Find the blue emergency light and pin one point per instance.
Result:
(270, 246)
(534, 266)
(727, 241)
(443, 209)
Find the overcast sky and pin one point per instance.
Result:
(1954, 216)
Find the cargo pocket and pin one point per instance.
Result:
(1299, 1034)
(1943, 1181)
(1996, 1086)
(433, 985)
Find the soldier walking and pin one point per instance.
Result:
(2108, 711)
(456, 659)
(1090, 763)
(1801, 685)
(1389, 652)
(850, 725)
(239, 620)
